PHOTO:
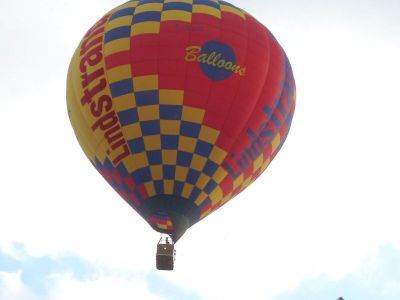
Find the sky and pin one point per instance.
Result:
(327, 217)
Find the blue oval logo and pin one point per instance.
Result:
(217, 60)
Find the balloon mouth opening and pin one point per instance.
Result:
(170, 214)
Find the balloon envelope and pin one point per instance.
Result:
(180, 105)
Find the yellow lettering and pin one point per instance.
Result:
(192, 53)
(221, 63)
(214, 59)
(242, 72)
(202, 58)
(229, 65)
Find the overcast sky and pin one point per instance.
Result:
(65, 234)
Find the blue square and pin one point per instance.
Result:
(170, 112)
(141, 176)
(127, 117)
(211, 185)
(205, 203)
(114, 184)
(159, 186)
(126, 188)
(147, 98)
(190, 129)
(136, 145)
(169, 142)
(154, 157)
(207, 2)
(122, 170)
(108, 165)
(203, 148)
(150, 1)
(192, 176)
(178, 187)
(150, 127)
(210, 168)
(121, 87)
(138, 197)
(184, 158)
(178, 6)
(147, 16)
(195, 193)
(117, 33)
(122, 13)
(168, 172)
(97, 164)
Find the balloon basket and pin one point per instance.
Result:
(165, 256)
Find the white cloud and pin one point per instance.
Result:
(11, 288)
(101, 288)
(66, 286)
(377, 278)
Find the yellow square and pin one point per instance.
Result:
(198, 162)
(148, 112)
(140, 160)
(130, 164)
(181, 173)
(219, 175)
(162, 226)
(118, 45)
(247, 182)
(266, 164)
(180, 1)
(119, 22)
(132, 131)
(171, 127)
(187, 144)
(205, 9)
(168, 187)
(156, 172)
(276, 142)
(233, 10)
(201, 198)
(119, 73)
(169, 157)
(226, 198)
(145, 83)
(217, 155)
(187, 190)
(257, 164)
(124, 102)
(193, 114)
(216, 195)
(208, 134)
(202, 181)
(238, 181)
(148, 7)
(152, 142)
(171, 97)
(145, 28)
(151, 191)
(176, 15)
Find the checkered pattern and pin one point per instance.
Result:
(173, 152)
(177, 147)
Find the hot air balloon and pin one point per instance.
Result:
(179, 105)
